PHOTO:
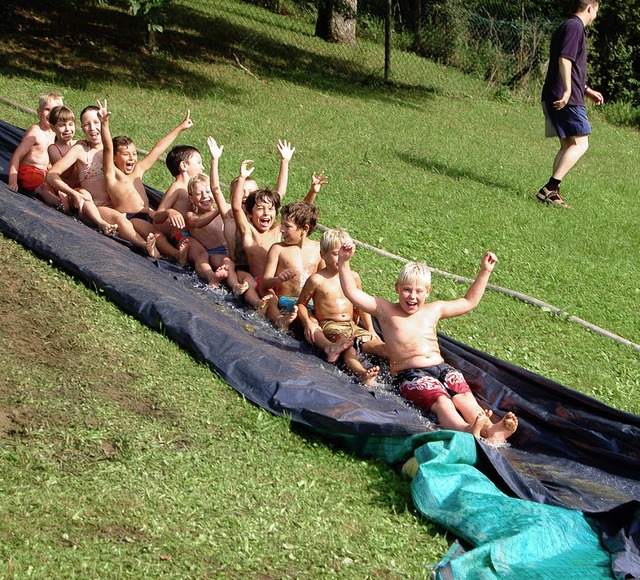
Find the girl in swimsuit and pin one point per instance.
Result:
(63, 123)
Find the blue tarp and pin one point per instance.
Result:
(570, 450)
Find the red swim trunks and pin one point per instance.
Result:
(424, 386)
(30, 177)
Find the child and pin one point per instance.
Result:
(30, 161)
(231, 234)
(63, 123)
(409, 330)
(334, 327)
(123, 175)
(289, 263)
(201, 223)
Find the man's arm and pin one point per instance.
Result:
(242, 223)
(359, 298)
(564, 66)
(595, 96)
(161, 146)
(451, 308)
(286, 153)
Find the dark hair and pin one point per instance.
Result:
(61, 113)
(268, 195)
(177, 155)
(87, 109)
(582, 5)
(121, 141)
(301, 213)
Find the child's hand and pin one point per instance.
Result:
(346, 252)
(245, 170)
(214, 148)
(176, 219)
(187, 123)
(103, 113)
(285, 150)
(287, 274)
(310, 332)
(317, 181)
(489, 261)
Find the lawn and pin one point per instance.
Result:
(146, 465)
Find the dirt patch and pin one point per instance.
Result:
(15, 421)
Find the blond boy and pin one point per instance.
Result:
(30, 161)
(417, 367)
(333, 327)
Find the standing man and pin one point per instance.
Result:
(563, 97)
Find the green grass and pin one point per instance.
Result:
(135, 452)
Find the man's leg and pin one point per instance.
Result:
(571, 150)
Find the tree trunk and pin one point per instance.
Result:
(337, 20)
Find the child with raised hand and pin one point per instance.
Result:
(417, 367)
(30, 161)
(123, 174)
(333, 327)
(291, 262)
(63, 123)
(205, 225)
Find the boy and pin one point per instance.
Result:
(563, 97)
(291, 262)
(123, 175)
(63, 124)
(30, 161)
(204, 226)
(417, 367)
(334, 328)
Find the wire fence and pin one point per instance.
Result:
(505, 43)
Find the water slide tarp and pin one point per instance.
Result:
(572, 455)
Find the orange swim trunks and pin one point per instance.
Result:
(30, 177)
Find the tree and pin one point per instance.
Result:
(337, 20)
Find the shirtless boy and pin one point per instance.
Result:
(205, 226)
(291, 262)
(334, 328)
(123, 175)
(63, 124)
(417, 367)
(30, 161)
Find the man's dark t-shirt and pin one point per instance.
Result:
(570, 42)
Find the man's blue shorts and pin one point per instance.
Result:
(570, 121)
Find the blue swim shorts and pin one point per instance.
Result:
(288, 302)
(570, 121)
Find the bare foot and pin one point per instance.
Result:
(481, 423)
(284, 320)
(219, 275)
(499, 432)
(107, 229)
(240, 288)
(264, 303)
(335, 349)
(183, 251)
(369, 375)
(151, 246)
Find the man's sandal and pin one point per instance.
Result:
(552, 198)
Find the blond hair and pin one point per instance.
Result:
(200, 178)
(46, 97)
(417, 273)
(332, 239)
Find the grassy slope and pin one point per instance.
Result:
(437, 170)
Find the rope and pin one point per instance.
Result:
(506, 291)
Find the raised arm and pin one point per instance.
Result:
(214, 176)
(358, 297)
(242, 223)
(317, 181)
(451, 308)
(286, 153)
(108, 164)
(161, 146)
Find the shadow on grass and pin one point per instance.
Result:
(88, 46)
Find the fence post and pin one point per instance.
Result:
(388, 23)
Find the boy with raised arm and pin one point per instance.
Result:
(290, 262)
(30, 161)
(333, 327)
(417, 367)
(123, 175)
